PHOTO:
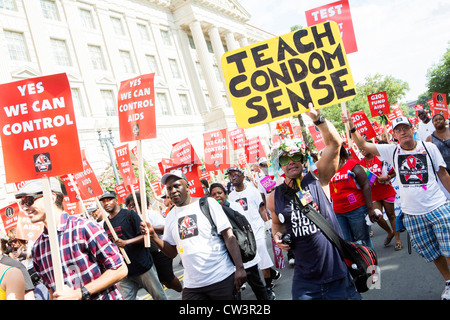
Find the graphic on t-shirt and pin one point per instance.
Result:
(188, 227)
(413, 169)
(243, 202)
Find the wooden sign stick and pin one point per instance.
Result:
(141, 173)
(52, 234)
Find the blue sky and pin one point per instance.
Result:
(402, 38)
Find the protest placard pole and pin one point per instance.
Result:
(347, 133)
(111, 228)
(78, 195)
(141, 173)
(52, 234)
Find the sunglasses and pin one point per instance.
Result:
(285, 158)
(29, 200)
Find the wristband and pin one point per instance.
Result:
(353, 130)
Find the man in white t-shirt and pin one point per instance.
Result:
(425, 127)
(418, 165)
(209, 272)
(250, 200)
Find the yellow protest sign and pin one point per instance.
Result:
(277, 78)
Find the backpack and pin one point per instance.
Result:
(240, 226)
(361, 260)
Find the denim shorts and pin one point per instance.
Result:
(430, 232)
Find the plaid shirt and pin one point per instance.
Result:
(86, 253)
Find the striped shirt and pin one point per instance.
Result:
(86, 252)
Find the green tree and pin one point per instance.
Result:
(395, 90)
(438, 76)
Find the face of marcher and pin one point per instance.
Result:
(438, 122)
(218, 194)
(293, 169)
(177, 190)
(110, 204)
(34, 207)
(404, 134)
(236, 178)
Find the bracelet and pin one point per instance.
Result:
(353, 130)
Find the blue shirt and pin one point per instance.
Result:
(316, 259)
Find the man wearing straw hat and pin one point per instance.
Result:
(91, 264)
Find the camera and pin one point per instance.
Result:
(287, 239)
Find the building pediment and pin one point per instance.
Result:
(229, 7)
(25, 73)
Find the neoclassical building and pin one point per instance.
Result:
(100, 43)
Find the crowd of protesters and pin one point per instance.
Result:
(350, 185)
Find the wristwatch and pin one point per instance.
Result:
(85, 294)
(353, 130)
(320, 120)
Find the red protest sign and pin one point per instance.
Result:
(70, 188)
(317, 137)
(431, 104)
(183, 153)
(254, 150)
(38, 130)
(121, 192)
(440, 104)
(26, 230)
(137, 108)
(362, 125)
(124, 163)
(86, 181)
(378, 103)
(418, 107)
(237, 138)
(10, 216)
(156, 188)
(216, 150)
(340, 13)
(164, 164)
(191, 173)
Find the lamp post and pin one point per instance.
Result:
(109, 142)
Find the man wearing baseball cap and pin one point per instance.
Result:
(418, 165)
(209, 272)
(99, 264)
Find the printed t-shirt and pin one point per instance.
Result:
(344, 192)
(419, 191)
(204, 256)
(250, 199)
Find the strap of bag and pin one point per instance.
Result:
(204, 207)
(324, 226)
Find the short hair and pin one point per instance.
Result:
(217, 185)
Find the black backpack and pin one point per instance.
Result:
(240, 226)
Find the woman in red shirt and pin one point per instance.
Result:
(352, 200)
(383, 196)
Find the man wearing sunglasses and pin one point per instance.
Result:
(91, 264)
(418, 165)
(319, 271)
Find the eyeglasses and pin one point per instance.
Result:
(235, 176)
(404, 129)
(285, 158)
(28, 201)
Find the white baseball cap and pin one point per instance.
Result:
(400, 120)
(176, 173)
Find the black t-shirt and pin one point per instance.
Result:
(126, 225)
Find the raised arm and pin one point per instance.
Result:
(360, 142)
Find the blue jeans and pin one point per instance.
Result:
(148, 280)
(354, 227)
(342, 289)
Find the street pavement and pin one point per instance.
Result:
(403, 276)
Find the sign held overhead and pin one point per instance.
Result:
(277, 78)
